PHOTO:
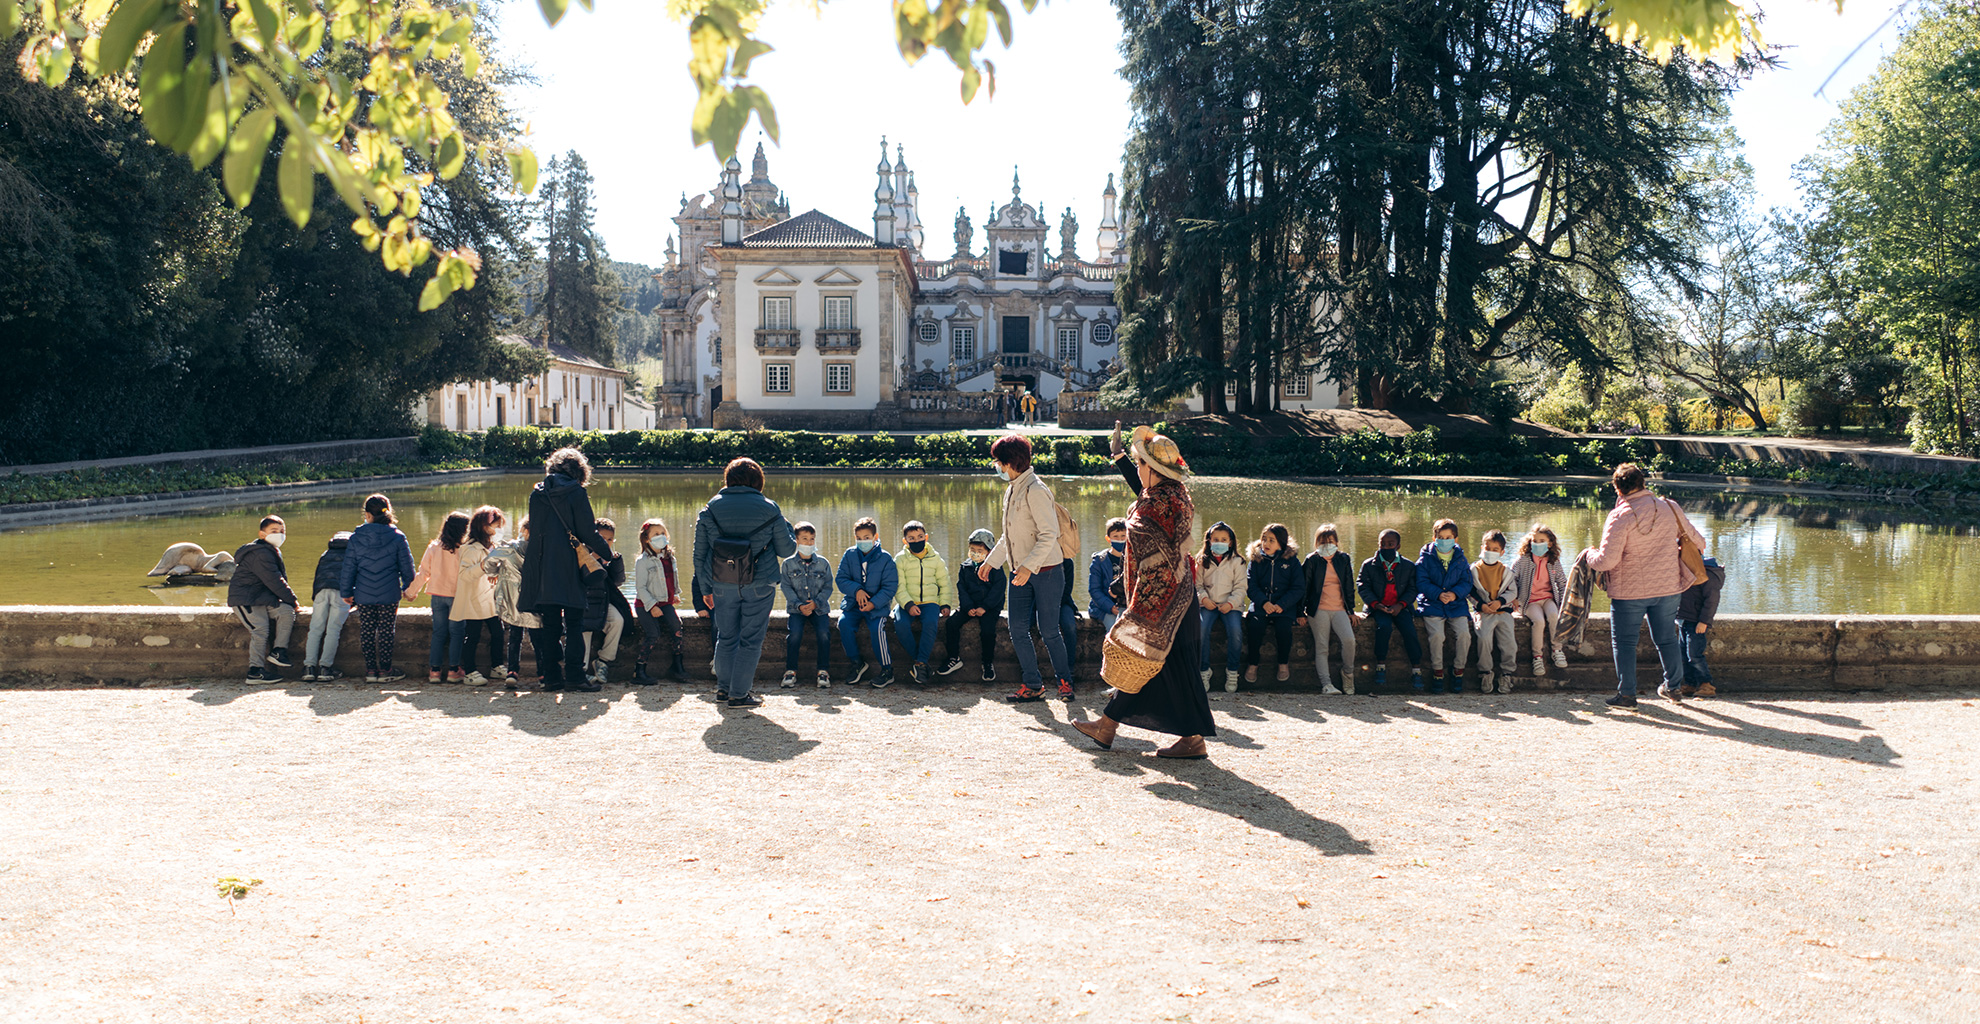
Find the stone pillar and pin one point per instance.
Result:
(727, 298)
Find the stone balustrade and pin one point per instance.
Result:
(150, 646)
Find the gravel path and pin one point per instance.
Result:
(938, 856)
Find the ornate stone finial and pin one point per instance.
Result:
(1110, 185)
(965, 234)
(884, 168)
(900, 156)
(684, 199)
(759, 166)
(1014, 183)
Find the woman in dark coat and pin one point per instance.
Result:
(552, 584)
(1151, 653)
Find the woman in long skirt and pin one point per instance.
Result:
(1150, 655)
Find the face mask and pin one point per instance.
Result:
(1219, 548)
(659, 542)
(915, 546)
(1388, 554)
(1002, 474)
(277, 538)
(807, 550)
(865, 546)
(1329, 550)
(1444, 545)
(976, 555)
(1489, 557)
(1540, 549)
(1118, 545)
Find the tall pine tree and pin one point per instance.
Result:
(579, 296)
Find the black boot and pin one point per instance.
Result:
(677, 669)
(639, 676)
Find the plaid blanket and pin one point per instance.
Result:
(1574, 604)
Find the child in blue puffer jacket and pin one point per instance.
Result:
(378, 569)
(1443, 593)
(1276, 584)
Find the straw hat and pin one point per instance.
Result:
(1159, 453)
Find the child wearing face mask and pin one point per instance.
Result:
(1493, 599)
(1106, 589)
(868, 579)
(504, 565)
(978, 599)
(1276, 585)
(1443, 590)
(1220, 593)
(260, 595)
(656, 590)
(808, 604)
(474, 611)
(1541, 585)
(922, 598)
(1387, 584)
(1329, 606)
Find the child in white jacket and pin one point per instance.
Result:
(1220, 594)
(1492, 603)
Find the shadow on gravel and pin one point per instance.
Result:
(1212, 787)
(754, 737)
(533, 712)
(1869, 749)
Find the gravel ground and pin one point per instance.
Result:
(451, 855)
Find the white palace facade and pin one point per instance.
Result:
(807, 322)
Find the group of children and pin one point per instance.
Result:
(471, 573)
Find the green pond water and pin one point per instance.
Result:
(1781, 556)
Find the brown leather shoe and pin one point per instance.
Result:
(1091, 730)
(1189, 748)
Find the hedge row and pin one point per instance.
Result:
(527, 446)
(21, 488)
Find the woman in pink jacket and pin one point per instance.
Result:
(1645, 577)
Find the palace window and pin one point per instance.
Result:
(776, 378)
(838, 378)
(1295, 386)
(1069, 345)
(962, 344)
(1013, 262)
(838, 312)
(1103, 333)
(1230, 389)
(930, 334)
(777, 313)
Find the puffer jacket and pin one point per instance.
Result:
(505, 564)
(1376, 576)
(1433, 578)
(655, 582)
(260, 578)
(1222, 582)
(1701, 602)
(1106, 582)
(1523, 569)
(743, 512)
(1315, 569)
(924, 578)
(1507, 593)
(474, 595)
(601, 592)
(1031, 527)
(1639, 549)
(330, 564)
(559, 508)
(1278, 579)
(974, 593)
(873, 572)
(807, 580)
(378, 565)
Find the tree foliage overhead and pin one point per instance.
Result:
(1400, 193)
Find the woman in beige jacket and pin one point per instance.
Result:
(474, 597)
(1029, 544)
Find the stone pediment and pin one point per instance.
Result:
(777, 276)
(836, 276)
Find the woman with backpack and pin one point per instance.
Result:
(740, 541)
(1030, 545)
(552, 581)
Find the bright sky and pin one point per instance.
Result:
(614, 86)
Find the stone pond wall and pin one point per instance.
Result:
(148, 646)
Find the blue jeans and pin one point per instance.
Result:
(445, 650)
(1233, 621)
(742, 616)
(851, 619)
(1693, 644)
(1044, 590)
(917, 632)
(1626, 625)
(1403, 622)
(326, 627)
(819, 624)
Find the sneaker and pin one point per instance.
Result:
(1416, 679)
(920, 673)
(433, 675)
(1250, 675)
(498, 672)
(1707, 690)
(1539, 668)
(1560, 659)
(328, 675)
(390, 675)
(1664, 690)
(586, 686)
(887, 676)
(309, 673)
(790, 679)
(514, 678)
(1687, 690)
(1347, 680)
(746, 701)
(1285, 673)
(949, 666)
(455, 675)
(1206, 680)
(855, 674)
(1505, 684)
(1381, 680)
(1025, 695)
(1436, 680)
(369, 678)
(824, 680)
(475, 679)
(1065, 689)
(255, 675)
(1230, 680)
(279, 657)
(1620, 701)
(1329, 689)
(989, 673)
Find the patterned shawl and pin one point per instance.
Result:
(1161, 588)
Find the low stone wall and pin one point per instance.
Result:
(149, 646)
(221, 458)
(1811, 453)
